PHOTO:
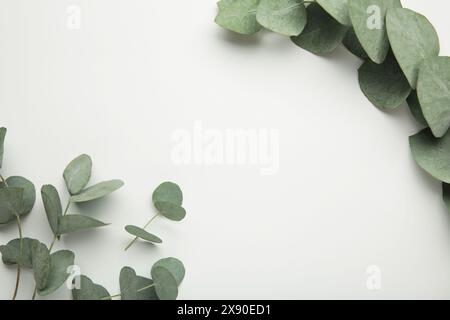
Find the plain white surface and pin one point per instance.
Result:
(347, 195)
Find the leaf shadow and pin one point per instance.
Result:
(240, 40)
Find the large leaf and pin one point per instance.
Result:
(412, 39)
(11, 200)
(368, 20)
(40, 257)
(77, 222)
(170, 210)
(52, 205)
(432, 154)
(286, 17)
(353, 45)
(59, 262)
(89, 290)
(238, 16)
(433, 90)
(78, 173)
(416, 109)
(166, 286)
(175, 267)
(29, 192)
(146, 289)
(168, 192)
(128, 284)
(2, 144)
(97, 191)
(384, 84)
(142, 234)
(322, 33)
(338, 9)
(12, 253)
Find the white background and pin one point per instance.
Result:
(348, 194)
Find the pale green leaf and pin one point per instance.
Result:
(12, 253)
(89, 291)
(168, 192)
(337, 9)
(286, 17)
(60, 261)
(52, 205)
(11, 201)
(78, 173)
(77, 222)
(97, 191)
(175, 267)
(29, 192)
(146, 289)
(416, 109)
(142, 234)
(40, 257)
(166, 286)
(170, 210)
(128, 284)
(238, 16)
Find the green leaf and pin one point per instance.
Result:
(353, 45)
(170, 210)
(238, 16)
(168, 192)
(286, 17)
(337, 9)
(89, 290)
(52, 205)
(322, 33)
(40, 257)
(29, 192)
(142, 234)
(368, 20)
(412, 39)
(149, 293)
(433, 90)
(175, 267)
(2, 144)
(384, 84)
(78, 173)
(165, 284)
(432, 154)
(11, 252)
(97, 191)
(60, 261)
(77, 222)
(11, 200)
(128, 284)
(416, 109)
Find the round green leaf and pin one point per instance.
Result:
(412, 39)
(142, 234)
(146, 291)
(337, 9)
(78, 173)
(322, 33)
(11, 201)
(128, 284)
(11, 253)
(433, 90)
(77, 222)
(97, 191)
(238, 16)
(40, 257)
(168, 192)
(89, 290)
(384, 84)
(165, 284)
(286, 17)
(2, 144)
(416, 109)
(52, 205)
(170, 210)
(353, 45)
(59, 262)
(175, 267)
(29, 192)
(432, 154)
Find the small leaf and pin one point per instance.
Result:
(77, 222)
(165, 284)
(368, 20)
(384, 84)
(286, 17)
(322, 33)
(59, 262)
(2, 144)
(128, 284)
(353, 45)
(29, 192)
(416, 109)
(142, 234)
(11, 252)
(412, 39)
(52, 205)
(337, 9)
(97, 191)
(432, 154)
(168, 192)
(149, 293)
(89, 290)
(78, 173)
(175, 267)
(433, 90)
(238, 16)
(170, 210)
(40, 257)
(11, 200)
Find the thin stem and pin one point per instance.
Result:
(118, 295)
(67, 208)
(53, 243)
(34, 294)
(146, 225)
(19, 226)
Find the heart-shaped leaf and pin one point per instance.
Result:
(433, 90)
(168, 192)
(353, 45)
(97, 191)
(238, 16)
(142, 234)
(89, 290)
(322, 33)
(2, 144)
(286, 17)
(52, 205)
(368, 20)
(165, 284)
(170, 210)
(77, 222)
(40, 257)
(432, 154)
(11, 253)
(416, 109)
(11, 200)
(146, 289)
(338, 9)
(128, 284)
(59, 262)
(175, 267)
(412, 39)
(78, 173)
(29, 192)
(384, 84)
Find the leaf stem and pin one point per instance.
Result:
(19, 226)
(146, 225)
(139, 290)
(67, 208)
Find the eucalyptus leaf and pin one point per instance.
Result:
(128, 284)
(166, 286)
(286, 17)
(168, 192)
(368, 20)
(97, 191)
(77, 222)
(170, 210)
(2, 144)
(142, 234)
(11, 201)
(40, 257)
(384, 84)
(60, 261)
(353, 45)
(146, 291)
(432, 154)
(89, 290)
(175, 267)
(238, 16)
(412, 39)
(52, 205)
(338, 9)
(433, 90)
(11, 252)
(29, 192)
(78, 173)
(322, 33)
(416, 109)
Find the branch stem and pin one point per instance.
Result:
(146, 225)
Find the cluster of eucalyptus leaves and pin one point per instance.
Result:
(400, 52)
(51, 269)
